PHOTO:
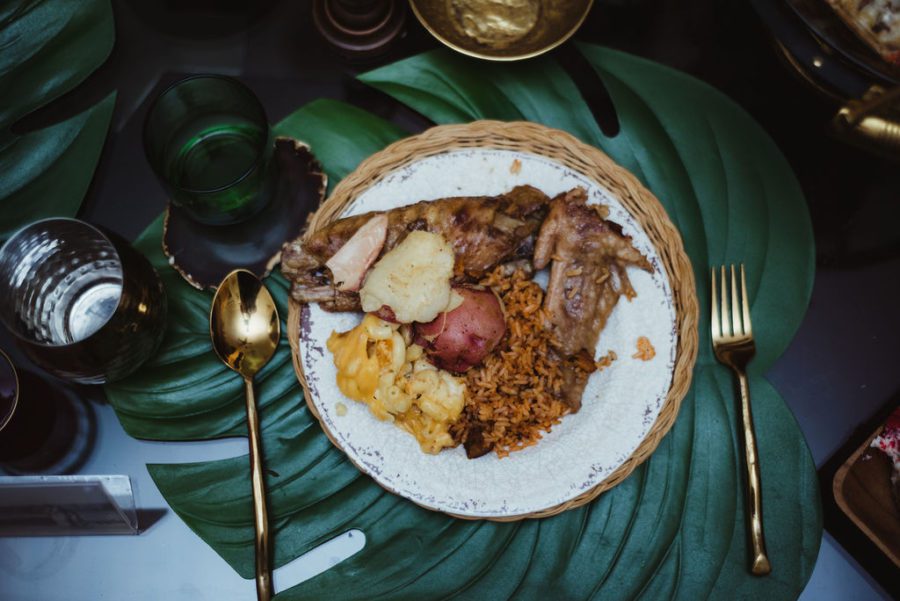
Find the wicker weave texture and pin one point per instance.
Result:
(594, 164)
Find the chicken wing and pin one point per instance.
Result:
(587, 255)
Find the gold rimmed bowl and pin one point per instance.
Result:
(501, 30)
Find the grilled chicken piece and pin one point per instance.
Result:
(587, 276)
(483, 230)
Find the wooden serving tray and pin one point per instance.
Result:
(862, 490)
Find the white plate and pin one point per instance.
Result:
(620, 404)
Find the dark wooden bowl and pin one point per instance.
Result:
(862, 490)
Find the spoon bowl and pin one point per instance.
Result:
(244, 323)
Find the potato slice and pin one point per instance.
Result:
(412, 279)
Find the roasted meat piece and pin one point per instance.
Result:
(483, 230)
(588, 256)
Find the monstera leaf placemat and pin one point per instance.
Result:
(47, 47)
(675, 527)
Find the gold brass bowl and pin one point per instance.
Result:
(501, 30)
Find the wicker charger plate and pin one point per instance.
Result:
(643, 209)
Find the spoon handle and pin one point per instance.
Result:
(261, 522)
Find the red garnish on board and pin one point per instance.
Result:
(893, 422)
(889, 439)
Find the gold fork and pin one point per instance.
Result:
(732, 339)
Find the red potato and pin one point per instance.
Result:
(349, 264)
(462, 338)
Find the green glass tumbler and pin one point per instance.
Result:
(208, 140)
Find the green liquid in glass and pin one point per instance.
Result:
(218, 169)
(215, 157)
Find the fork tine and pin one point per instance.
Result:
(716, 323)
(748, 327)
(726, 315)
(735, 305)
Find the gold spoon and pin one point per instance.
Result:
(245, 328)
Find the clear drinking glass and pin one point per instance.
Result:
(208, 140)
(81, 302)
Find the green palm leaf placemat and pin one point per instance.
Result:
(47, 47)
(675, 528)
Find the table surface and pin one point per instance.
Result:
(838, 372)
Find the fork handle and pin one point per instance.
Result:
(760, 562)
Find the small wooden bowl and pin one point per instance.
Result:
(490, 30)
(862, 489)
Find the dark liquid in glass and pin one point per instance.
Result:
(7, 389)
(42, 428)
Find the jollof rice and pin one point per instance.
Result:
(511, 396)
